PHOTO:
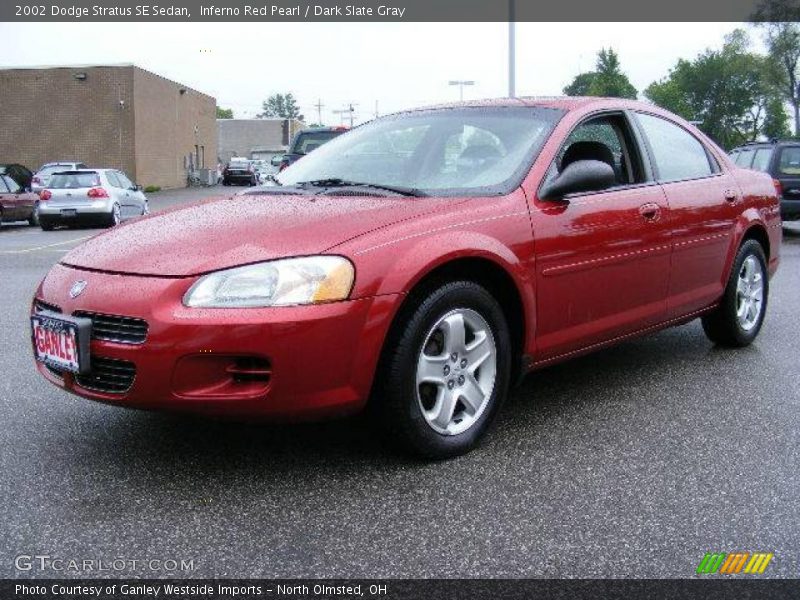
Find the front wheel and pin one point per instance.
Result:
(738, 319)
(445, 371)
(115, 218)
(33, 220)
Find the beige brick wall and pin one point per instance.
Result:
(48, 115)
(169, 124)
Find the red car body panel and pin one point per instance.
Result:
(588, 273)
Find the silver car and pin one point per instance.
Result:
(103, 196)
(41, 179)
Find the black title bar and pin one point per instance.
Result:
(399, 11)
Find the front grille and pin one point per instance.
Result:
(114, 328)
(40, 305)
(108, 375)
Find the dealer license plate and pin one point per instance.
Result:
(61, 342)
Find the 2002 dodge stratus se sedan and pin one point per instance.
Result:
(422, 261)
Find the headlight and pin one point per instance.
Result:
(306, 280)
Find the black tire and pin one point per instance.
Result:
(396, 393)
(33, 220)
(46, 224)
(722, 326)
(114, 218)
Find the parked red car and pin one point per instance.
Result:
(423, 262)
(17, 203)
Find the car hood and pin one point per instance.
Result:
(227, 232)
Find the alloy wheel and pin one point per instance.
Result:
(456, 371)
(749, 293)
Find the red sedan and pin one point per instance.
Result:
(421, 262)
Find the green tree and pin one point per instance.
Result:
(727, 91)
(778, 19)
(606, 80)
(224, 113)
(283, 106)
(776, 122)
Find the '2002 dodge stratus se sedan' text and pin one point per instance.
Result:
(421, 262)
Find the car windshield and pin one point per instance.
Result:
(68, 181)
(468, 151)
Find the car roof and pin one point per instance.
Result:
(770, 144)
(564, 103)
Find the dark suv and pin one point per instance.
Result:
(307, 140)
(780, 159)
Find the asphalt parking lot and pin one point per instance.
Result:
(632, 462)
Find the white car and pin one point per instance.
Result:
(41, 178)
(104, 196)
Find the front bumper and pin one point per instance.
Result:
(321, 358)
(790, 209)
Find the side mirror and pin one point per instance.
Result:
(579, 176)
(276, 160)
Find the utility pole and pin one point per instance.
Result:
(319, 106)
(512, 50)
(461, 83)
(349, 110)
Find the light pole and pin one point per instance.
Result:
(512, 50)
(461, 83)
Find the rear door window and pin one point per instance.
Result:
(11, 185)
(761, 159)
(124, 182)
(789, 163)
(113, 179)
(3, 186)
(677, 153)
(745, 158)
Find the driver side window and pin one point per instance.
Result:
(606, 138)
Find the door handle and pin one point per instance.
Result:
(650, 211)
(730, 196)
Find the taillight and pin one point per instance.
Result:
(45, 195)
(97, 192)
(778, 187)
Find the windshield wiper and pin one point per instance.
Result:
(338, 182)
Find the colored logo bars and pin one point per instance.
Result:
(736, 562)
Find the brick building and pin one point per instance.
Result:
(117, 116)
(255, 138)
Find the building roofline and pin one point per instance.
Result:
(75, 66)
(105, 66)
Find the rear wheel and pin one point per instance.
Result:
(737, 320)
(115, 218)
(46, 224)
(445, 371)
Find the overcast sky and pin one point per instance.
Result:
(396, 65)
